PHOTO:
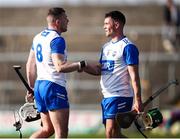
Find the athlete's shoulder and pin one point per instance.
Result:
(49, 33)
(106, 44)
(126, 41)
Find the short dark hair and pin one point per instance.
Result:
(117, 16)
(56, 11)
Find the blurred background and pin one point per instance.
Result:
(156, 39)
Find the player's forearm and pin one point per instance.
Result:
(67, 67)
(138, 105)
(31, 69)
(31, 75)
(92, 69)
(137, 90)
(135, 79)
(70, 67)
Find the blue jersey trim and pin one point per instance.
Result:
(58, 45)
(131, 55)
(101, 54)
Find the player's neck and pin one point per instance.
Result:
(54, 28)
(117, 37)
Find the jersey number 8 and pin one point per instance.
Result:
(39, 55)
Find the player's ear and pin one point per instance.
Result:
(116, 24)
(57, 21)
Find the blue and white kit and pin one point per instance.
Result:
(115, 57)
(50, 86)
(44, 44)
(115, 80)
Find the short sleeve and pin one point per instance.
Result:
(58, 45)
(131, 55)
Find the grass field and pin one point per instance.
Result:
(101, 135)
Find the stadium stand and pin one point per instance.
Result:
(85, 35)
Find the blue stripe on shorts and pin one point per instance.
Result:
(50, 96)
(112, 106)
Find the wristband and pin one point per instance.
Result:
(79, 66)
(83, 64)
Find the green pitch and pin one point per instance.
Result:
(101, 135)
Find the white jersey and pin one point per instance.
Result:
(115, 57)
(44, 44)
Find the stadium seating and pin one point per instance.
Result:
(85, 34)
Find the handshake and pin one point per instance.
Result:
(92, 68)
(82, 64)
(89, 67)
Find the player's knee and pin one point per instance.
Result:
(48, 131)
